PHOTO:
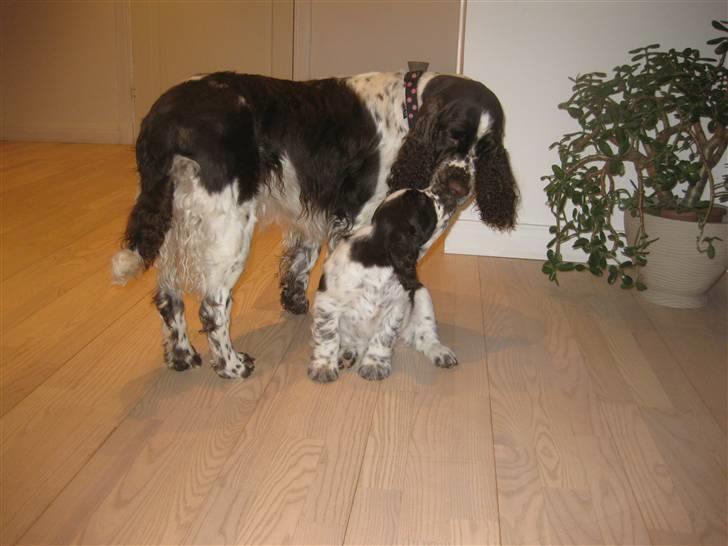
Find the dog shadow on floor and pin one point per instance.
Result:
(284, 340)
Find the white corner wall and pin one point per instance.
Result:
(525, 52)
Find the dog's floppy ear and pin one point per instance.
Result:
(496, 192)
(418, 155)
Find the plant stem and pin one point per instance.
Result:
(710, 153)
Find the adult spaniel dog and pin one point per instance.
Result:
(219, 152)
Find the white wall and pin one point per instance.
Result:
(525, 52)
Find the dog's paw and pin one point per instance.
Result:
(442, 356)
(322, 372)
(375, 369)
(239, 368)
(347, 358)
(179, 359)
(293, 298)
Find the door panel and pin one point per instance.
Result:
(175, 40)
(65, 71)
(340, 38)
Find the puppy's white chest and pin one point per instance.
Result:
(373, 301)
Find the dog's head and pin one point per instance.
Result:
(456, 146)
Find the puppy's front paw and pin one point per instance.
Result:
(238, 368)
(322, 371)
(375, 368)
(442, 356)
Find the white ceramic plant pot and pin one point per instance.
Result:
(676, 274)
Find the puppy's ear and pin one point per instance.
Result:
(403, 252)
(496, 192)
(403, 224)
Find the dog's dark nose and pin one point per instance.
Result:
(458, 187)
(453, 184)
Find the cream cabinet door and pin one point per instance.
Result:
(336, 38)
(173, 40)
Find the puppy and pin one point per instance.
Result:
(369, 294)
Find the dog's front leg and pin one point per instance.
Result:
(297, 261)
(325, 338)
(376, 364)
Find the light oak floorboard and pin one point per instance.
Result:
(578, 415)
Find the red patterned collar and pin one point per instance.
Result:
(409, 107)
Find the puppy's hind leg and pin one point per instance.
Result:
(350, 350)
(421, 331)
(376, 363)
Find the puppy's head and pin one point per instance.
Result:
(407, 217)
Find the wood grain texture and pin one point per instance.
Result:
(428, 475)
(578, 415)
(560, 477)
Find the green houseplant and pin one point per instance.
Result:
(651, 134)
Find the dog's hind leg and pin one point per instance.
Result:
(229, 231)
(298, 259)
(421, 331)
(179, 353)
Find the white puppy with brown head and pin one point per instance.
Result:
(369, 294)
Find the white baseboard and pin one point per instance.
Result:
(97, 134)
(527, 241)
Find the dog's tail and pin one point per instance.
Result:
(126, 265)
(151, 217)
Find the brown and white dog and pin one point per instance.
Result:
(217, 153)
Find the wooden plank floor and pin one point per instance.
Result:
(578, 415)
